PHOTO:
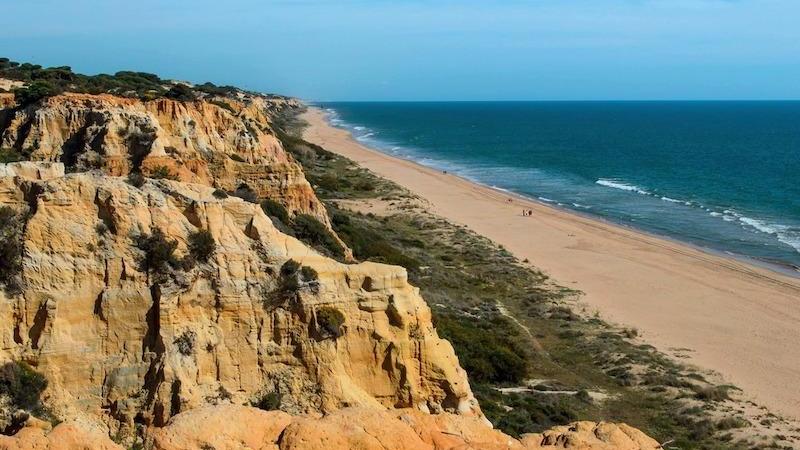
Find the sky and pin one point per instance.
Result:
(359, 50)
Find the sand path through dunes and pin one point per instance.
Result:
(739, 320)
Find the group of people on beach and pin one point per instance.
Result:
(525, 212)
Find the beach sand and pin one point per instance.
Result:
(724, 315)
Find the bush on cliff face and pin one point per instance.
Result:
(163, 173)
(11, 229)
(36, 91)
(276, 210)
(21, 388)
(368, 244)
(159, 252)
(181, 92)
(311, 231)
(202, 245)
(8, 155)
(330, 321)
(271, 401)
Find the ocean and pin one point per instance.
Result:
(724, 176)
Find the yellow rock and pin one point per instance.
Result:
(116, 345)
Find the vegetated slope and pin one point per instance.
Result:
(136, 288)
(534, 358)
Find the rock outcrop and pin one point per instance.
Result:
(239, 427)
(135, 348)
(226, 143)
(169, 355)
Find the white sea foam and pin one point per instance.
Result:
(545, 199)
(359, 128)
(620, 185)
(783, 233)
(672, 200)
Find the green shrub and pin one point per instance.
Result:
(328, 182)
(223, 105)
(23, 387)
(185, 342)
(8, 155)
(220, 194)
(238, 158)
(159, 252)
(365, 185)
(202, 245)
(290, 267)
(163, 173)
(271, 401)
(330, 321)
(35, 91)
(713, 394)
(309, 274)
(311, 231)
(11, 248)
(275, 209)
(181, 92)
(369, 244)
(487, 349)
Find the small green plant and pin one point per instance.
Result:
(11, 229)
(185, 342)
(35, 91)
(311, 231)
(330, 321)
(275, 209)
(159, 252)
(713, 393)
(181, 92)
(271, 401)
(290, 267)
(163, 173)
(223, 105)
(220, 194)
(23, 387)
(202, 245)
(238, 158)
(308, 274)
(8, 155)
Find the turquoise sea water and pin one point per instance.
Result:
(720, 175)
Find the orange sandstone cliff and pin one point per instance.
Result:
(171, 358)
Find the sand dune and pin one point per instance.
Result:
(736, 319)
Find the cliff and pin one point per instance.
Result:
(129, 346)
(223, 142)
(156, 310)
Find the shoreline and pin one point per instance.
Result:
(738, 319)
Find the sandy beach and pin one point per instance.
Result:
(736, 319)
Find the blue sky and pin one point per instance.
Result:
(428, 50)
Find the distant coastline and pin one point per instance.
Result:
(737, 318)
(719, 220)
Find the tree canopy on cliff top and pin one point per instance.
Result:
(44, 82)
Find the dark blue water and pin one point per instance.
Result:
(721, 175)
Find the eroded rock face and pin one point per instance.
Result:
(225, 143)
(239, 427)
(122, 346)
